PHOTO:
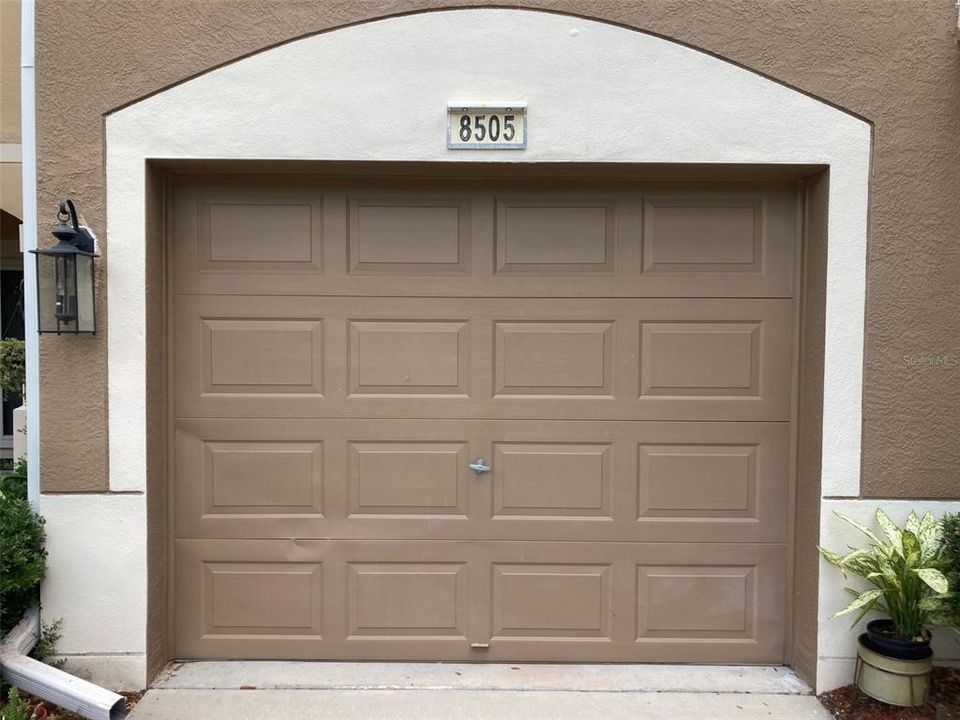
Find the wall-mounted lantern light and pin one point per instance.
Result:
(65, 278)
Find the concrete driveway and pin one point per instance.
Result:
(445, 691)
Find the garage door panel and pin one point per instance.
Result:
(707, 601)
(549, 480)
(406, 599)
(554, 358)
(657, 359)
(529, 601)
(557, 235)
(553, 600)
(321, 237)
(552, 480)
(618, 354)
(224, 232)
(402, 478)
(409, 234)
(409, 358)
(262, 356)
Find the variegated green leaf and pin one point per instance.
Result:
(864, 599)
(930, 536)
(911, 549)
(913, 523)
(854, 555)
(935, 579)
(893, 533)
(928, 520)
(859, 526)
(932, 603)
(831, 557)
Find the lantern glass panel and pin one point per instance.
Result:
(56, 292)
(85, 322)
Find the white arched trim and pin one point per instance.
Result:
(378, 92)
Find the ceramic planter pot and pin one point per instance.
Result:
(883, 638)
(893, 680)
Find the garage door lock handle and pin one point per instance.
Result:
(479, 466)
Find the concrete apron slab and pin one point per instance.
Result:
(441, 691)
(280, 675)
(470, 705)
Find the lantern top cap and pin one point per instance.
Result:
(64, 247)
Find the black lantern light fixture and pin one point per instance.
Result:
(65, 278)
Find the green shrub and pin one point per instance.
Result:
(22, 554)
(46, 647)
(12, 366)
(17, 708)
(13, 482)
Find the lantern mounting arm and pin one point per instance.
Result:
(81, 237)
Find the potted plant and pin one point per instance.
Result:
(907, 586)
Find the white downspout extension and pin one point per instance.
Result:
(69, 692)
(28, 171)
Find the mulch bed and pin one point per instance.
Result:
(847, 703)
(48, 711)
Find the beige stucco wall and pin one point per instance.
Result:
(9, 71)
(11, 194)
(894, 63)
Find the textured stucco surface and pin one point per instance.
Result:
(9, 72)
(894, 63)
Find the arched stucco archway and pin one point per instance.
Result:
(597, 93)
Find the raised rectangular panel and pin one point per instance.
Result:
(408, 478)
(263, 356)
(551, 600)
(698, 235)
(695, 601)
(262, 477)
(414, 235)
(689, 481)
(554, 358)
(272, 232)
(700, 358)
(408, 357)
(550, 235)
(262, 598)
(551, 479)
(405, 599)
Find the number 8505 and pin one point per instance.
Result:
(479, 128)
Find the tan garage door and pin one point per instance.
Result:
(619, 354)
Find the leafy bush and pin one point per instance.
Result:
(46, 647)
(13, 482)
(12, 366)
(17, 708)
(22, 554)
(905, 572)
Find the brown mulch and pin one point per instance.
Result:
(48, 711)
(847, 703)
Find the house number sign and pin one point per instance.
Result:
(487, 126)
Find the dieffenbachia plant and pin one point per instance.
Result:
(904, 572)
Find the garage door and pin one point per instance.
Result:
(457, 419)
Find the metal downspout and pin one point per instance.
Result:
(28, 170)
